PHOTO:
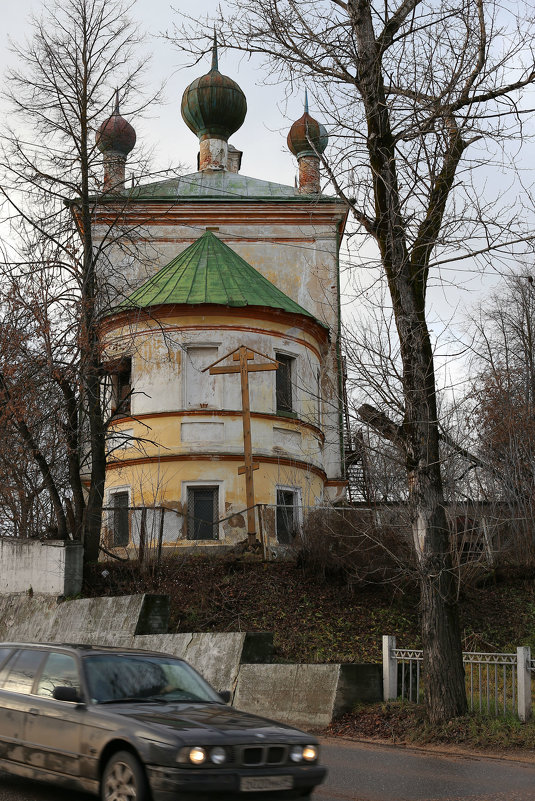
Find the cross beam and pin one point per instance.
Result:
(245, 355)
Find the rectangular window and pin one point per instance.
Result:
(203, 513)
(120, 519)
(122, 388)
(287, 517)
(60, 670)
(201, 389)
(22, 671)
(283, 383)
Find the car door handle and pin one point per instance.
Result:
(33, 711)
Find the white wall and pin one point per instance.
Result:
(53, 567)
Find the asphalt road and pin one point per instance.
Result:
(363, 772)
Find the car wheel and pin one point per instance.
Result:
(123, 779)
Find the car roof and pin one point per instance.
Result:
(87, 648)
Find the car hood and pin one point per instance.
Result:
(216, 718)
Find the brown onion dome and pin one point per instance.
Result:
(304, 129)
(116, 133)
(213, 106)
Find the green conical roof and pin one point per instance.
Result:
(208, 271)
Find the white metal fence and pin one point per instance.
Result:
(496, 683)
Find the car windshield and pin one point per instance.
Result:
(116, 678)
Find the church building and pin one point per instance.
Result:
(206, 267)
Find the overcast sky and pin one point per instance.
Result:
(263, 135)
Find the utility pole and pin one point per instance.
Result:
(244, 356)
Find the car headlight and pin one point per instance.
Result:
(310, 753)
(218, 755)
(197, 755)
(296, 753)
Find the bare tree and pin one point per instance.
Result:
(81, 54)
(501, 408)
(373, 366)
(39, 382)
(28, 492)
(419, 94)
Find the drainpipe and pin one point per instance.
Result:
(339, 361)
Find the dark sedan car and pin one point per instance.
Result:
(140, 725)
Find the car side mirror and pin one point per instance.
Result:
(71, 694)
(225, 696)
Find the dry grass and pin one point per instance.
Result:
(407, 724)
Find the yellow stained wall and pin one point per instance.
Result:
(155, 461)
(163, 484)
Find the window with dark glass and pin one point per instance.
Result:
(21, 671)
(286, 516)
(117, 676)
(122, 387)
(283, 383)
(60, 670)
(120, 519)
(203, 513)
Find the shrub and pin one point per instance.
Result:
(351, 545)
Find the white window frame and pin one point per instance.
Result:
(297, 504)
(186, 485)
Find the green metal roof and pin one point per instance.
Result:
(220, 185)
(208, 271)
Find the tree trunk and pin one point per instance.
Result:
(419, 435)
(445, 693)
(76, 509)
(91, 359)
(445, 690)
(93, 512)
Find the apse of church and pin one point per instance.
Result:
(217, 261)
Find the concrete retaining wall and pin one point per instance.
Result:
(217, 656)
(301, 695)
(308, 696)
(104, 621)
(51, 566)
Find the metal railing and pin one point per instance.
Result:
(145, 528)
(409, 661)
(491, 682)
(496, 683)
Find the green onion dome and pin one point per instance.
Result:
(213, 106)
(304, 129)
(116, 133)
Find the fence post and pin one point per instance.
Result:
(160, 534)
(390, 669)
(142, 535)
(523, 683)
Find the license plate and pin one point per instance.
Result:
(259, 783)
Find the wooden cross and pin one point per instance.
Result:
(245, 355)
